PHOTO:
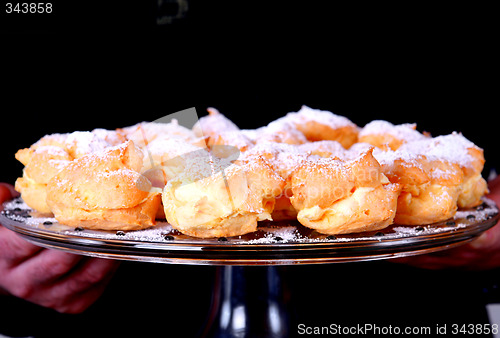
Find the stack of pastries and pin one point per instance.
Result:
(217, 180)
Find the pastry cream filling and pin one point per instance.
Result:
(33, 193)
(472, 190)
(342, 207)
(30, 180)
(204, 200)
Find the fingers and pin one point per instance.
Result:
(422, 262)
(50, 278)
(463, 257)
(494, 185)
(86, 285)
(447, 259)
(489, 240)
(33, 276)
(55, 279)
(14, 249)
(45, 267)
(76, 291)
(79, 302)
(87, 274)
(6, 192)
(61, 281)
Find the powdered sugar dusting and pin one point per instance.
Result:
(85, 142)
(170, 147)
(452, 148)
(78, 143)
(283, 157)
(277, 234)
(389, 157)
(320, 116)
(406, 132)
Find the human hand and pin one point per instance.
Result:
(62, 281)
(480, 254)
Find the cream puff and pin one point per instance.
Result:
(211, 199)
(104, 190)
(334, 196)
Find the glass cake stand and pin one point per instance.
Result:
(238, 308)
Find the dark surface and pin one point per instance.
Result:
(438, 102)
(157, 299)
(431, 65)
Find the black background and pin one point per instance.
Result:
(434, 95)
(108, 65)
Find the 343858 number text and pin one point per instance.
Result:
(28, 7)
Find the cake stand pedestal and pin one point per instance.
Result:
(249, 302)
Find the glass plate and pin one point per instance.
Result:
(274, 243)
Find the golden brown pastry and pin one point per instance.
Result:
(318, 125)
(385, 135)
(429, 188)
(334, 196)
(146, 132)
(280, 131)
(324, 149)
(81, 143)
(166, 157)
(218, 130)
(210, 199)
(211, 126)
(218, 180)
(283, 158)
(165, 146)
(50, 154)
(41, 164)
(456, 149)
(237, 139)
(104, 191)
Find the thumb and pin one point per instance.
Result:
(489, 239)
(6, 192)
